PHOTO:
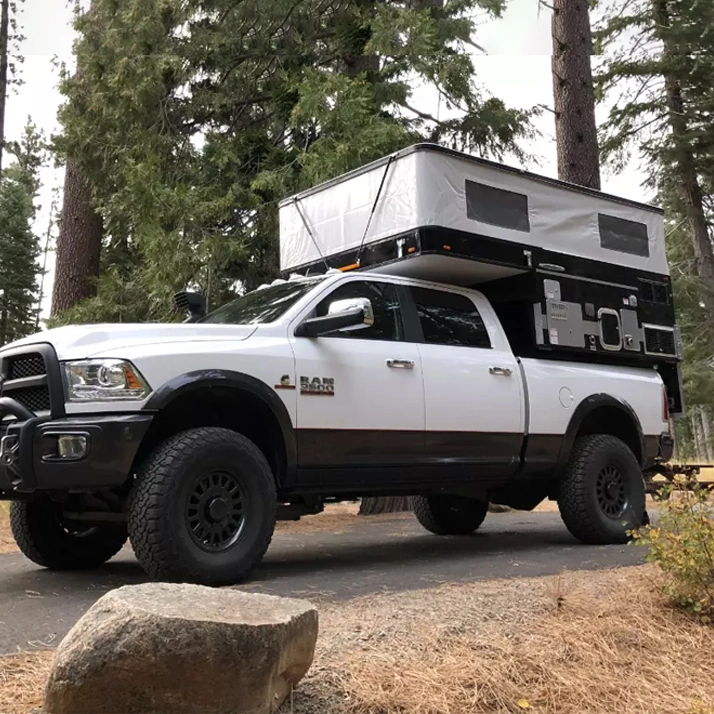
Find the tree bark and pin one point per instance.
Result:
(4, 64)
(574, 94)
(696, 436)
(78, 244)
(706, 433)
(384, 504)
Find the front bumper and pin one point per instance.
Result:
(27, 463)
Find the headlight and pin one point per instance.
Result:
(103, 380)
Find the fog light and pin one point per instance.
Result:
(72, 446)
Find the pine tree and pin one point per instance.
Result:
(19, 246)
(194, 119)
(659, 51)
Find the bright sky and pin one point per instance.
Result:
(517, 69)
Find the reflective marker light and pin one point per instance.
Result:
(72, 446)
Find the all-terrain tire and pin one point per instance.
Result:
(602, 493)
(43, 537)
(449, 515)
(171, 521)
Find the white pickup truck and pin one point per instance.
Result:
(191, 439)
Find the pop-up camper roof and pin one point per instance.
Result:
(471, 202)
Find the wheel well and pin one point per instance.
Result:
(615, 422)
(226, 407)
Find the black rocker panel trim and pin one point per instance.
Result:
(201, 380)
(346, 448)
(585, 409)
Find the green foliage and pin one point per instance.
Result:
(681, 543)
(19, 246)
(657, 71)
(193, 119)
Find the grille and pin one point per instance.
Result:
(660, 342)
(30, 366)
(36, 399)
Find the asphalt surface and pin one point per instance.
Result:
(38, 607)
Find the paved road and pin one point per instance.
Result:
(38, 607)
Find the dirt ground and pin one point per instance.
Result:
(583, 642)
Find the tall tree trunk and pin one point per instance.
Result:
(78, 244)
(685, 170)
(4, 64)
(675, 449)
(706, 433)
(369, 64)
(384, 504)
(696, 427)
(574, 94)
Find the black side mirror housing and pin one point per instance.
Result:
(193, 303)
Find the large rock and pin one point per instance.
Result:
(165, 648)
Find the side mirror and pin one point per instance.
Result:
(193, 303)
(352, 314)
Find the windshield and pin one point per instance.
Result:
(261, 306)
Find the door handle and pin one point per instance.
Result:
(400, 363)
(500, 371)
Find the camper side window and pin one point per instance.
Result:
(497, 207)
(623, 236)
(449, 319)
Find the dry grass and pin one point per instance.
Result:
(7, 542)
(585, 643)
(22, 681)
(336, 518)
(591, 643)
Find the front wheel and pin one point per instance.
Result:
(203, 508)
(449, 515)
(48, 539)
(602, 494)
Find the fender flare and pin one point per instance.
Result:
(586, 407)
(207, 379)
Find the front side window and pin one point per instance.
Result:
(449, 319)
(262, 305)
(385, 303)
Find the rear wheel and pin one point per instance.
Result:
(602, 495)
(449, 515)
(46, 538)
(203, 508)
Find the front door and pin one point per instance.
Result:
(360, 393)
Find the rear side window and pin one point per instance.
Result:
(623, 236)
(449, 319)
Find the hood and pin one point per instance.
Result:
(83, 341)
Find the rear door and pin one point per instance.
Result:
(473, 390)
(360, 401)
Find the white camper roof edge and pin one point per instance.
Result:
(504, 168)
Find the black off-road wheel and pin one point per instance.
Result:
(43, 536)
(602, 494)
(203, 508)
(449, 515)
